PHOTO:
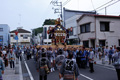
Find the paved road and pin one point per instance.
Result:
(101, 73)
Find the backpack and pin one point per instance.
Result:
(69, 66)
(61, 59)
(43, 63)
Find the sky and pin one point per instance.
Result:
(31, 14)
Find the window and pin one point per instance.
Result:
(101, 42)
(104, 26)
(11, 35)
(71, 32)
(21, 35)
(85, 28)
(1, 29)
(1, 38)
(25, 36)
(86, 44)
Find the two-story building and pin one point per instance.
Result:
(70, 17)
(4, 35)
(24, 37)
(102, 30)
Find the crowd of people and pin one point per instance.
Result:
(66, 60)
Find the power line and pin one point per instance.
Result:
(66, 2)
(108, 5)
(104, 4)
(92, 4)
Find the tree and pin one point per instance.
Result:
(37, 30)
(49, 22)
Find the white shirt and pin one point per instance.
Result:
(4, 52)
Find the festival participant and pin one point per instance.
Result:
(106, 52)
(11, 59)
(59, 59)
(111, 52)
(65, 52)
(18, 53)
(69, 69)
(96, 51)
(78, 57)
(117, 62)
(83, 58)
(1, 66)
(28, 53)
(91, 60)
(43, 67)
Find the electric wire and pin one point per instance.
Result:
(104, 4)
(108, 5)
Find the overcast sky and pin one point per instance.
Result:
(34, 12)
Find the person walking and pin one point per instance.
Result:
(19, 53)
(91, 60)
(1, 66)
(117, 62)
(69, 69)
(11, 59)
(59, 59)
(106, 52)
(78, 57)
(83, 58)
(28, 53)
(43, 67)
(111, 52)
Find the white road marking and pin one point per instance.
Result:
(31, 77)
(20, 69)
(86, 77)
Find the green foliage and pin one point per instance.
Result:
(49, 22)
(37, 30)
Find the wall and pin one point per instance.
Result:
(111, 37)
(5, 34)
(71, 22)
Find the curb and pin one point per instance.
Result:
(20, 70)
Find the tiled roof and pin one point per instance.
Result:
(20, 31)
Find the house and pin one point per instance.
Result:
(4, 35)
(24, 37)
(70, 17)
(102, 30)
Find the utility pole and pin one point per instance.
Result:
(57, 10)
(105, 11)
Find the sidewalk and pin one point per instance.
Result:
(9, 74)
(106, 63)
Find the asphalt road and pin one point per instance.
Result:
(101, 72)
